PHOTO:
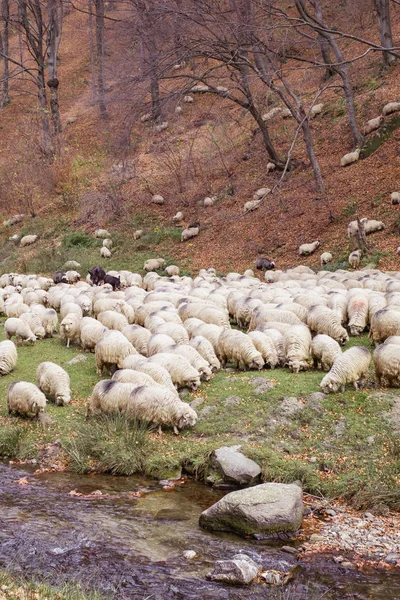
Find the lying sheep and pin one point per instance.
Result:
(54, 383)
(372, 226)
(111, 350)
(306, 249)
(105, 252)
(350, 158)
(355, 259)
(70, 328)
(157, 198)
(237, 347)
(252, 205)
(322, 319)
(28, 240)
(24, 399)
(272, 113)
(326, 257)
(206, 350)
(350, 367)
(8, 357)
(20, 329)
(324, 351)
(156, 372)
(297, 348)
(266, 347)
(181, 371)
(189, 233)
(387, 364)
(391, 107)
(153, 264)
(373, 125)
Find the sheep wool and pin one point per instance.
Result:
(20, 329)
(325, 351)
(387, 364)
(181, 371)
(350, 367)
(350, 158)
(111, 350)
(306, 249)
(8, 357)
(237, 347)
(54, 383)
(25, 399)
(297, 348)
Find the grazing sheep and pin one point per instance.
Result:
(325, 351)
(357, 310)
(322, 319)
(188, 99)
(306, 249)
(105, 252)
(115, 282)
(72, 276)
(109, 397)
(195, 359)
(111, 350)
(181, 371)
(387, 364)
(264, 264)
(189, 233)
(153, 264)
(159, 342)
(138, 336)
(209, 200)
(27, 240)
(373, 125)
(395, 197)
(157, 198)
(372, 226)
(177, 332)
(59, 277)
(97, 274)
(8, 357)
(138, 234)
(54, 383)
(252, 205)
(156, 372)
(102, 234)
(72, 264)
(266, 347)
(135, 377)
(326, 257)
(350, 158)
(271, 167)
(391, 107)
(271, 114)
(355, 259)
(297, 348)
(238, 347)
(393, 339)
(178, 217)
(206, 350)
(286, 113)
(25, 398)
(91, 334)
(21, 330)
(350, 367)
(49, 322)
(172, 270)
(70, 328)
(35, 323)
(316, 110)
(108, 243)
(13, 220)
(384, 323)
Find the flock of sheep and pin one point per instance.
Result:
(159, 334)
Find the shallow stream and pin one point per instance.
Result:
(131, 547)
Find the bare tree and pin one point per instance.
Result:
(382, 8)
(99, 20)
(4, 50)
(54, 30)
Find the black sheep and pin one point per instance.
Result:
(264, 264)
(97, 274)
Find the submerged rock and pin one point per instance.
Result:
(233, 466)
(268, 508)
(238, 572)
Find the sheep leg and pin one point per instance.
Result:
(68, 340)
(355, 385)
(342, 388)
(160, 430)
(176, 430)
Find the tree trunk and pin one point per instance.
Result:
(305, 127)
(99, 7)
(266, 137)
(54, 30)
(47, 138)
(91, 49)
(323, 45)
(362, 238)
(385, 30)
(5, 13)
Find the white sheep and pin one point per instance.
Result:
(387, 364)
(138, 234)
(107, 243)
(49, 321)
(206, 350)
(8, 357)
(384, 323)
(209, 201)
(316, 110)
(322, 319)
(324, 351)
(357, 310)
(306, 249)
(297, 348)
(178, 217)
(159, 342)
(156, 372)
(195, 359)
(27, 240)
(355, 259)
(181, 371)
(188, 99)
(373, 125)
(326, 257)
(111, 350)
(112, 320)
(138, 336)
(350, 158)
(236, 346)
(102, 233)
(153, 264)
(189, 233)
(271, 167)
(70, 328)
(35, 323)
(172, 270)
(391, 107)
(71, 264)
(90, 334)
(395, 197)
(54, 383)
(72, 276)
(25, 398)
(266, 347)
(157, 198)
(105, 252)
(272, 113)
(350, 367)
(136, 377)
(261, 193)
(70, 307)
(109, 397)
(177, 332)
(20, 329)
(252, 205)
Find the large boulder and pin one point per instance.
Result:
(267, 508)
(234, 571)
(233, 466)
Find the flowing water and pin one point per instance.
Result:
(131, 547)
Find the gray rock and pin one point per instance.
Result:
(232, 400)
(239, 572)
(77, 359)
(290, 406)
(315, 537)
(196, 403)
(394, 416)
(290, 550)
(206, 411)
(183, 393)
(266, 508)
(234, 466)
(261, 384)
(243, 556)
(340, 427)
(189, 554)
(314, 401)
(330, 512)
(392, 558)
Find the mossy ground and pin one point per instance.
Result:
(345, 448)
(13, 588)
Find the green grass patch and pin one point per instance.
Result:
(13, 588)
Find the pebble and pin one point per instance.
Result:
(189, 554)
(290, 550)
(330, 512)
(347, 565)
(315, 537)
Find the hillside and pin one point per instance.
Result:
(208, 149)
